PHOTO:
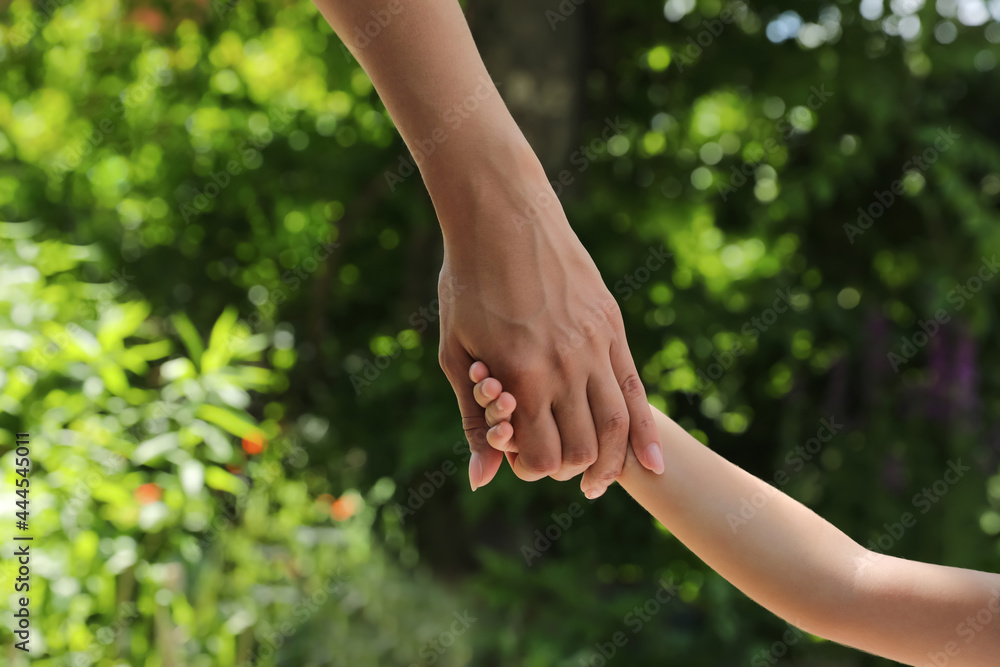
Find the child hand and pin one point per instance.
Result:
(499, 406)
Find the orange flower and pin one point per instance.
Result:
(254, 443)
(148, 493)
(343, 508)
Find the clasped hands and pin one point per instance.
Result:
(519, 292)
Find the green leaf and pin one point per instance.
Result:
(239, 423)
(151, 351)
(114, 378)
(219, 446)
(155, 448)
(253, 377)
(189, 336)
(219, 347)
(221, 480)
(120, 322)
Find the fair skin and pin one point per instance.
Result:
(536, 308)
(792, 561)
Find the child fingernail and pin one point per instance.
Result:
(594, 493)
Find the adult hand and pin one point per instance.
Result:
(519, 291)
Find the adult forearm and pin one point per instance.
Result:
(517, 288)
(425, 66)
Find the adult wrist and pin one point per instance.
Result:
(497, 180)
(466, 160)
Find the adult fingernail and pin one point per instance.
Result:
(475, 471)
(594, 493)
(654, 454)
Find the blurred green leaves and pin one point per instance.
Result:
(178, 336)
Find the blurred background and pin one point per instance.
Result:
(218, 323)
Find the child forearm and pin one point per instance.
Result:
(802, 568)
(771, 555)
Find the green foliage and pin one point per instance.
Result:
(157, 541)
(218, 261)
